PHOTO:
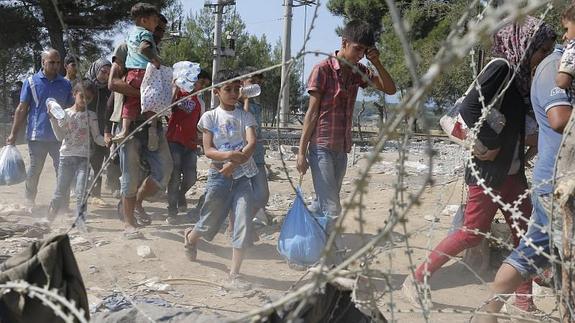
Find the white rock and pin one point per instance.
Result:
(450, 210)
(431, 218)
(145, 252)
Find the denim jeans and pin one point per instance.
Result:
(327, 170)
(130, 154)
(70, 167)
(38, 151)
(222, 195)
(166, 159)
(525, 258)
(183, 177)
(97, 157)
(261, 188)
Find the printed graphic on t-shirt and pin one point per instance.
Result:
(188, 105)
(229, 135)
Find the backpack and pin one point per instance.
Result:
(455, 127)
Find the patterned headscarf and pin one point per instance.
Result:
(92, 74)
(512, 41)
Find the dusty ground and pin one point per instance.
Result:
(110, 263)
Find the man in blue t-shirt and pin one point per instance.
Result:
(47, 83)
(552, 107)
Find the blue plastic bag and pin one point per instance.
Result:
(12, 168)
(301, 239)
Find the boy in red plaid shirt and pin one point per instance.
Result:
(326, 135)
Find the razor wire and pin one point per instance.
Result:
(456, 47)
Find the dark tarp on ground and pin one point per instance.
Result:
(331, 306)
(48, 263)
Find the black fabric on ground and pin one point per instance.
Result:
(331, 306)
(49, 263)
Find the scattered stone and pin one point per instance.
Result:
(155, 284)
(100, 243)
(431, 218)
(145, 252)
(93, 269)
(450, 210)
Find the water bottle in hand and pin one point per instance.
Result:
(55, 108)
(251, 91)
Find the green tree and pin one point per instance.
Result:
(196, 43)
(16, 65)
(37, 21)
(428, 21)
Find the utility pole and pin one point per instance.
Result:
(217, 53)
(286, 55)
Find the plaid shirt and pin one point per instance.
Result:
(338, 93)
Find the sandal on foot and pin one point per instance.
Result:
(237, 282)
(142, 217)
(410, 292)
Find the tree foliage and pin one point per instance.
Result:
(37, 21)
(428, 22)
(196, 44)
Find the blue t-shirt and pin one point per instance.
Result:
(137, 35)
(259, 153)
(38, 127)
(546, 95)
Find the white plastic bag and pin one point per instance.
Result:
(186, 75)
(12, 168)
(156, 89)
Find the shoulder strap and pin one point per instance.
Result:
(33, 90)
(483, 71)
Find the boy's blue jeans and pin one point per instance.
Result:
(70, 167)
(183, 177)
(327, 170)
(261, 188)
(222, 195)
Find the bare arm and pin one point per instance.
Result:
(252, 140)
(19, 117)
(59, 126)
(383, 81)
(95, 130)
(211, 151)
(117, 84)
(558, 117)
(147, 50)
(247, 105)
(309, 125)
(563, 80)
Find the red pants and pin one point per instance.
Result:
(479, 214)
(132, 105)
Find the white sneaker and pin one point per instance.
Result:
(409, 290)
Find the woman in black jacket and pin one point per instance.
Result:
(501, 165)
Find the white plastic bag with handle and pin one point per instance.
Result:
(12, 168)
(156, 89)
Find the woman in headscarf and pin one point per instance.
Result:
(98, 75)
(501, 165)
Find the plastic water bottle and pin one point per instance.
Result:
(251, 91)
(55, 108)
(185, 67)
(185, 84)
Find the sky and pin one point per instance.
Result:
(267, 17)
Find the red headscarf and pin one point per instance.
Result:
(517, 43)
